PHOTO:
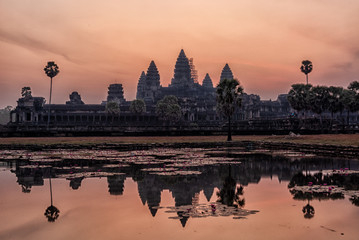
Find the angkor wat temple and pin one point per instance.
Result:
(197, 102)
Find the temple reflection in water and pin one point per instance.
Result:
(183, 174)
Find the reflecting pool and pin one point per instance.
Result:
(219, 193)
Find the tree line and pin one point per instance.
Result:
(305, 98)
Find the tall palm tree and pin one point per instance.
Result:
(51, 70)
(306, 68)
(229, 98)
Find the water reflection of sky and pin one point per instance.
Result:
(111, 206)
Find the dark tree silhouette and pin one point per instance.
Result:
(350, 102)
(335, 103)
(51, 212)
(138, 106)
(229, 97)
(51, 70)
(26, 92)
(318, 100)
(308, 211)
(168, 109)
(306, 68)
(230, 194)
(298, 97)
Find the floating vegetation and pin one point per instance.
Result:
(293, 155)
(115, 165)
(88, 175)
(177, 172)
(213, 209)
(334, 184)
(159, 169)
(34, 166)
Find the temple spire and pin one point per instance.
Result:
(141, 86)
(207, 82)
(152, 83)
(226, 73)
(182, 73)
(152, 76)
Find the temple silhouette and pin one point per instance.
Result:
(197, 102)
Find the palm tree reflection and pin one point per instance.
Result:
(230, 193)
(51, 212)
(308, 211)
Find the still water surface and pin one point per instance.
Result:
(177, 194)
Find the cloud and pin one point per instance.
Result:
(343, 66)
(25, 41)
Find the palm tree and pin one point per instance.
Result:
(51, 70)
(229, 98)
(335, 103)
(306, 68)
(318, 100)
(51, 212)
(298, 97)
(137, 107)
(26, 92)
(349, 102)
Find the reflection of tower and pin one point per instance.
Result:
(75, 183)
(208, 192)
(28, 177)
(150, 192)
(184, 191)
(116, 184)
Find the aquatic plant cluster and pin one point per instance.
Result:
(158, 162)
(334, 184)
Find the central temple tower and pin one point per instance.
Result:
(182, 73)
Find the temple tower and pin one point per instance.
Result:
(152, 77)
(152, 83)
(182, 72)
(226, 73)
(207, 82)
(75, 99)
(115, 93)
(194, 73)
(141, 86)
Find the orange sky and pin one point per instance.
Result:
(96, 43)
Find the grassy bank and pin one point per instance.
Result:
(334, 140)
